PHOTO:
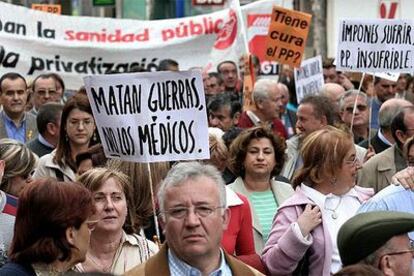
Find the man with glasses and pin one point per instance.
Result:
(359, 120)
(377, 172)
(44, 91)
(192, 203)
(379, 239)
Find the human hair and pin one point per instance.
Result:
(328, 63)
(231, 134)
(63, 149)
(359, 270)
(166, 63)
(386, 115)
(140, 179)
(19, 161)
(399, 124)
(46, 209)
(217, 76)
(184, 171)
(374, 258)
(59, 80)
(322, 106)
(224, 62)
(218, 151)
(261, 89)
(93, 180)
(224, 99)
(407, 146)
(95, 153)
(351, 93)
(11, 76)
(323, 152)
(43, 77)
(48, 113)
(238, 149)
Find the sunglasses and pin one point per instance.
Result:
(360, 108)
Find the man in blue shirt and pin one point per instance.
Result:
(391, 198)
(15, 123)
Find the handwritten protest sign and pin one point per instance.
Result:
(375, 46)
(309, 77)
(150, 117)
(287, 36)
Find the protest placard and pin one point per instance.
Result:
(150, 117)
(381, 45)
(309, 77)
(286, 39)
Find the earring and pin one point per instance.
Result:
(94, 139)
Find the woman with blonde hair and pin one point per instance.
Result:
(19, 163)
(303, 236)
(114, 246)
(141, 178)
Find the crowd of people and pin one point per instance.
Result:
(316, 187)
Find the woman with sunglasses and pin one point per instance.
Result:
(114, 246)
(19, 163)
(304, 230)
(52, 228)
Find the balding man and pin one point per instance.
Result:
(333, 91)
(267, 99)
(383, 138)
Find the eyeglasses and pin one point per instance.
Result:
(91, 224)
(77, 123)
(410, 250)
(360, 107)
(43, 93)
(201, 211)
(352, 162)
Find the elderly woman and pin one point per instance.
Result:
(256, 156)
(303, 235)
(19, 163)
(76, 131)
(52, 228)
(114, 247)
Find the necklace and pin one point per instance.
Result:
(334, 214)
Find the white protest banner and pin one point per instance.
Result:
(34, 42)
(309, 77)
(150, 117)
(381, 45)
